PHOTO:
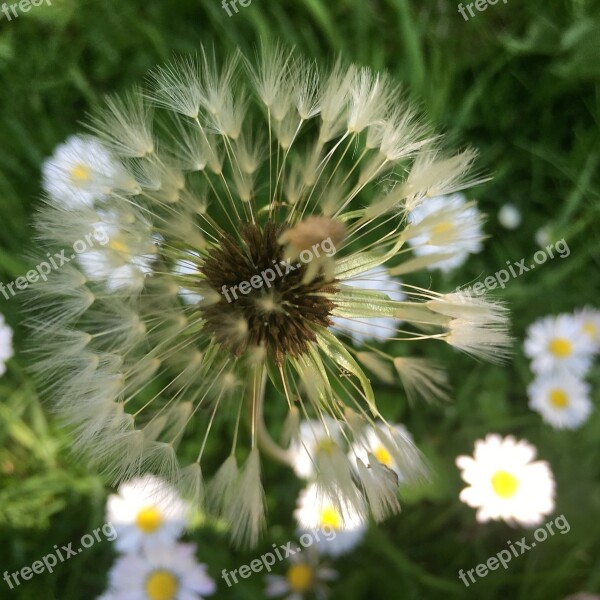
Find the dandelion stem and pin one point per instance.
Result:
(265, 441)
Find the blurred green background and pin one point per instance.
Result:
(520, 82)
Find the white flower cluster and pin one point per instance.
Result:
(149, 517)
(561, 349)
(79, 179)
(319, 446)
(504, 482)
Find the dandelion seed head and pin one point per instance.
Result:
(219, 186)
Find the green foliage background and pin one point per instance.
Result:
(519, 81)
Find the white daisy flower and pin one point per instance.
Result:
(304, 576)
(320, 515)
(505, 484)
(314, 436)
(164, 573)
(372, 443)
(447, 226)
(379, 328)
(509, 216)
(82, 170)
(146, 512)
(561, 398)
(6, 346)
(589, 320)
(557, 343)
(127, 258)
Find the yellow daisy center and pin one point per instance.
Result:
(326, 445)
(443, 227)
(330, 517)
(590, 329)
(300, 577)
(505, 484)
(80, 173)
(162, 585)
(149, 519)
(383, 456)
(119, 246)
(558, 398)
(561, 347)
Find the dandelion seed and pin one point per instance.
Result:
(314, 439)
(377, 328)
(370, 443)
(127, 257)
(422, 377)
